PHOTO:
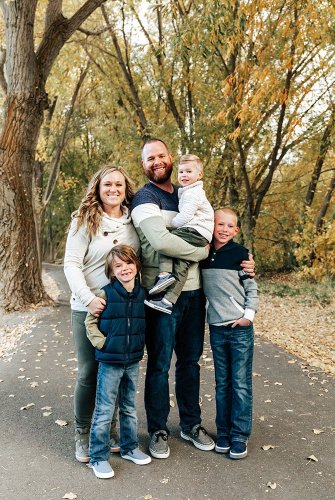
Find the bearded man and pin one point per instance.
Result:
(153, 208)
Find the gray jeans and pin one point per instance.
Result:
(85, 388)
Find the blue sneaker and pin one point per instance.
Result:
(238, 450)
(222, 445)
(102, 470)
(137, 456)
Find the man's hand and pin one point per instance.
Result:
(96, 306)
(241, 322)
(249, 265)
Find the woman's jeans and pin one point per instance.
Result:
(114, 380)
(233, 353)
(84, 392)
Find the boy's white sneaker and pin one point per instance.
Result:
(137, 456)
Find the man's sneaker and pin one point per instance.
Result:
(115, 442)
(222, 445)
(102, 470)
(162, 283)
(158, 446)
(238, 450)
(159, 305)
(199, 437)
(137, 456)
(82, 444)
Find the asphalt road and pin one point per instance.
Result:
(294, 413)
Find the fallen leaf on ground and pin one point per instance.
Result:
(30, 405)
(47, 413)
(273, 486)
(267, 447)
(70, 496)
(313, 458)
(318, 431)
(61, 423)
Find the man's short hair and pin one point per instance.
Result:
(150, 141)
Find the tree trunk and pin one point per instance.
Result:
(20, 282)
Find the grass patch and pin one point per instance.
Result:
(290, 285)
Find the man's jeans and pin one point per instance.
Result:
(182, 331)
(114, 380)
(233, 353)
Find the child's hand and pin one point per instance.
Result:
(241, 322)
(96, 306)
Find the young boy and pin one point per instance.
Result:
(232, 303)
(118, 336)
(194, 223)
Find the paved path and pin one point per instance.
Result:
(36, 454)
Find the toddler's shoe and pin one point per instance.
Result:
(222, 445)
(137, 456)
(160, 305)
(162, 283)
(238, 450)
(102, 470)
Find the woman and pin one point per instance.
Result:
(102, 221)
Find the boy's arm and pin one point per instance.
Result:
(148, 218)
(93, 333)
(190, 204)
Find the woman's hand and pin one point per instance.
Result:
(241, 322)
(96, 306)
(249, 265)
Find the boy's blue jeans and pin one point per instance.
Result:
(114, 380)
(233, 353)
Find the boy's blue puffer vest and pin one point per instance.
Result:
(123, 323)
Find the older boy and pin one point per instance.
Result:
(232, 303)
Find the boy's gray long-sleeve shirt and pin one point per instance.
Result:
(230, 296)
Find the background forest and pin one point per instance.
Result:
(246, 85)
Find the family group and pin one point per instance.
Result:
(141, 268)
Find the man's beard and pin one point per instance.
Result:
(162, 178)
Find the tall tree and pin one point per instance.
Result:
(26, 72)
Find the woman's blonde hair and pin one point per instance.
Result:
(90, 209)
(125, 253)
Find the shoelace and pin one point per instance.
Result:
(163, 435)
(200, 428)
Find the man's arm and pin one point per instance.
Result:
(148, 219)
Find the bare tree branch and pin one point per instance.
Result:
(3, 83)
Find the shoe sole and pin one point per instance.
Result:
(157, 289)
(203, 447)
(160, 455)
(238, 456)
(115, 449)
(102, 475)
(220, 449)
(157, 308)
(137, 462)
(82, 460)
